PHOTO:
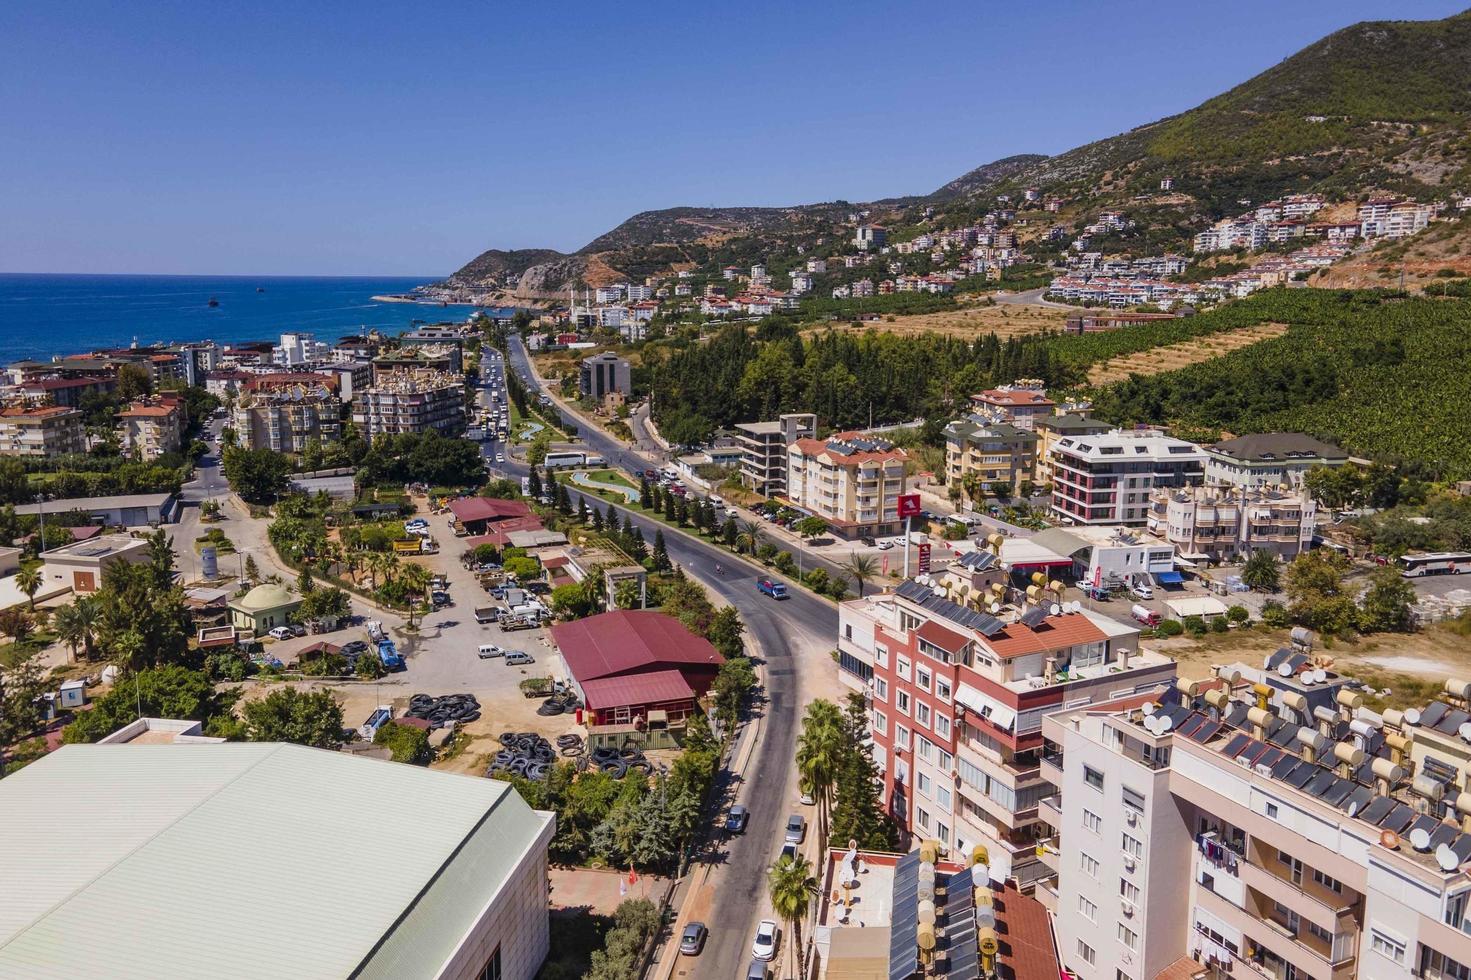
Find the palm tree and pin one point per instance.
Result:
(69, 629)
(415, 579)
(29, 580)
(819, 754)
(862, 568)
(748, 536)
(792, 888)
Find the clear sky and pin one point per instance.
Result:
(313, 137)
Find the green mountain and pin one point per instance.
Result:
(1381, 105)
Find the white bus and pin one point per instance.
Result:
(569, 458)
(1435, 563)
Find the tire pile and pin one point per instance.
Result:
(565, 702)
(524, 754)
(441, 712)
(620, 762)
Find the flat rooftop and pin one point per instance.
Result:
(99, 546)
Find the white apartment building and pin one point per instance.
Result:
(1112, 557)
(41, 431)
(410, 400)
(869, 238)
(1108, 478)
(801, 282)
(636, 293)
(284, 419)
(1262, 824)
(850, 480)
(1220, 523)
(1268, 459)
(611, 294)
(1392, 218)
(299, 350)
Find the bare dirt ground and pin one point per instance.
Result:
(968, 321)
(1158, 360)
(1442, 246)
(1412, 667)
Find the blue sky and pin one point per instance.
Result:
(376, 138)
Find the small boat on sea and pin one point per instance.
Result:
(213, 302)
(260, 289)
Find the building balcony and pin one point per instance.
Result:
(1049, 809)
(1265, 887)
(1051, 767)
(1049, 852)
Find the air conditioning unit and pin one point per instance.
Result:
(1129, 862)
(1128, 908)
(1132, 817)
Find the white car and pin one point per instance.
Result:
(768, 936)
(1142, 590)
(500, 457)
(282, 633)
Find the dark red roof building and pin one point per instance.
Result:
(630, 662)
(478, 513)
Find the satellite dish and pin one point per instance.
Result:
(1412, 716)
(995, 607)
(1320, 675)
(1285, 669)
(1077, 606)
(1354, 807)
(1420, 839)
(1390, 840)
(1055, 609)
(1149, 707)
(1152, 725)
(1465, 731)
(1448, 859)
(1165, 723)
(937, 590)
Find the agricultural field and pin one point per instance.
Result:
(966, 322)
(1158, 360)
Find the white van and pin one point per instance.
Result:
(490, 650)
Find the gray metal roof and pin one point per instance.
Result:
(247, 860)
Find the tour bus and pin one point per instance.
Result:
(569, 458)
(1435, 563)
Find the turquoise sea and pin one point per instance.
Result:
(41, 315)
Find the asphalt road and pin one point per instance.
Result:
(780, 627)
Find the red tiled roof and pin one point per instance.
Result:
(1025, 935)
(947, 640)
(499, 533)
(41, 412)
(557, 562)
(56, 384)
(1018, 397)
(653, 688)
(625, 641)
(148, 411)
(468, 509)
(1057, 633)
(83, 533)
(1182, 969)
(817, 447)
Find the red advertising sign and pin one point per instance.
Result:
(924, 558)
(908, 504)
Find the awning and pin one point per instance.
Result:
(1001, 715)
(1169, 578)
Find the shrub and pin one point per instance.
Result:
(1275, 614)
(1219, 625)
(1238, 614)
(405, 742)
(370, 666)
(1169, 628)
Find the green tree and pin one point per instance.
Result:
(76, 625)
(819, 756)
(133, 382)
(571, 601)
(792, 887)
(369, 666)
(405, 743)
(1260, 573)
(22, 683)
(525, 569)
(861, 568)
(141, 621)
(29, 580)
(1386, 604)
(171, 691)
(733, 683)
(748, 537)
(1315, 592)
(725, 631)
(810, 527)
(661, 552)
(257, 475)
(286, 714)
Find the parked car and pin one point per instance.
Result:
(1096, 592)
(787, 851)
(758, 970)
(516, 658)
(768, 935)
(281, 633)
(693, 939)
(807, 799)
(885, 545)
(441, 598)
(1142, 590)
(490, 650)
(354, 648)
(297, 629)
(736, 819)
(381, 716)
(796, 828)
(1146, 616)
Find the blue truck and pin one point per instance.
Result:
(388, 653)
(776, 590)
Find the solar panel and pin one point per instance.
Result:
(1452, 722)
(1236, 714)
(1205, 732)
(1302, 775)
(983, 623)
(1283, 735)
(1285, 765)
(1322, 779)
(1443, 834)
(1191, 724)
(1376, 809)
(1251, 751)
(1462, 846)
(1357, 800)
(1033, 618)
(1398, 819)
(1278, 657)
(960, 928)
(1233, 748)
(1434, 712)
(904, 919)
(1336, 792)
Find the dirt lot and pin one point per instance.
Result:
(1158, 360)
(969, 321)
(1444, 245)
(1413, 667)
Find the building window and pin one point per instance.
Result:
(942, 726)
(1088, 910)
(922, 678)
(902, 667)
(1133, 799)
(922, 713)
(1128, 936)
(942, 689)
(901, 736)
(881, 656)
(1129, 891)
(1272, 810)
(1089, 865)
(924, 817)
(1332, 884)
(901, 701)
(492, 968)
(854, 666)
(924, 785)
(926, 748)
(942, 832)
(881, 689)
(945, 760)
(1092, 821)
(1438, 966)
(1132, 847)
(880, 722)
(1323, 935)
(942, 797)
(1093, 777)
(1086, 952)
(1387, 946)
(1121, 975)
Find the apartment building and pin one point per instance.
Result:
(1218, 523)
(1391, 218)
(41, 431)
(604, 373)
(1020, 404)
(283, 418)
(447, 358)
(1268, 459)
(763, 448)
(992, 452)
(1055, 427)
(150, 430)
(850, 480)
(870, 237)
(1265, 823)
(1108, 478)
(300, 350)
(411, 401)
(958, 697)
(67, 392)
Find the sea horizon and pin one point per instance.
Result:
(46, 314)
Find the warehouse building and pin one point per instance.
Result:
(247, 860)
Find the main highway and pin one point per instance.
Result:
(782, 630)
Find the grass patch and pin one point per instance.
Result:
(610, 476)
(12, 653)
(1405, 690)
(216, 537)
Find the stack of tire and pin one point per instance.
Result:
(620, 762)
(559, 703)
(523, 754)
(441, 712)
